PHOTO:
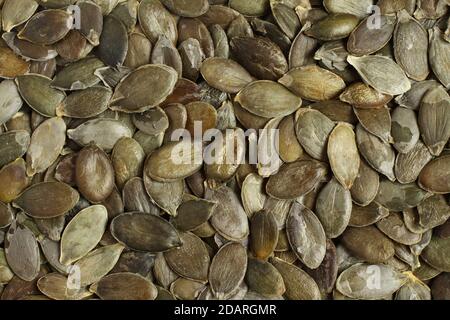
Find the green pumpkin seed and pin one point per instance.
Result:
(434, 176)
(156, 20)
(78, 75)
(398, 197)
(15, 13)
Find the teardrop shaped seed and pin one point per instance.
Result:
(193, 213)
(365, 39)
(394, 227)
(191, 260)
(116, 287)
(299, 285)
(174, 161)
(129, 97)
(91, 21)
(252, 194)
(357, 281)
(53, 25)
(413, 98)
(334, 208)
(263, 234)
(196, 29)
(438, 56)
(127, 159)
(435, 175)
(94, 174)
(13, 145)
(14, 13)
(378, 154)
(434, 120)
(167, 195)
(97, 263)
(229, 218)
(343, 154)
(405, 129)
(376, 121)
(382, 73)
(259, 56)
(233, 78)
(37, 93)
(305, 176)
(399, 197)
(286, 18)
(363, 96)
(83, 233)
(333, 27)
(306, 235)
(156, 20)
(139, 51)
(356, 7)
(313, 83)
(368, 215)
(312, 123)
(144, 232)
(433, 211)
(409, 165)
(43, 152)
(113, 45)
(47, 200)
(164, 52)
(103, 132)
(227, 270)
(263, 278)
(78, 75)
(22, 252)
(413, 59)
(220, 40)
(56, 287)
(86, 103)
(302, 51)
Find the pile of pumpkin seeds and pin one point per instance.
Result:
(94, 206)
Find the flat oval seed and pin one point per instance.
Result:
(78, 75)
(333, 27)
(127, 159)
(405, 129)
(193, 213)
(437, 254)
(10, 100)
(116, 287)
(129, 97)
(363, 96)
(47, 200)
(156, 20)
(85, 103)
(43, 152)
(409, 165)
(263, 234)
(94, 174)
(435, 176)
(56, 286)
(399, 197)
(144, 232)
(438, 56)
(113, 45)
(15, 13)
(343, 154)
(306, 235)
(11, 65)
(83, 233)
(166, 195)
(13, 180)
(22, 252)
(394, 227)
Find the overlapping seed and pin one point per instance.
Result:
(224, 149)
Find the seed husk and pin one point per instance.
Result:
(113, 46)
(355, 7)
(252, 194)
(263, 278)
(382, 73)
(190, 9)
(203, 113)
(94, 174)
(433, 211)
(299, 285)
(98, 263)
(37, 92)
(363, 96)
(313, 83)
(394, 227)
(139, 51)
(144, 232)
(56, 287)
(85, 103)
(35, 200)
(11, 65)
(91, 21)
(438, 56)
(434, 177)
(78, 75)
(290, 148)
(227, 270)
(434, 120)
(436, 254)
(52, 24)
(135, 198)
(116, 287)
(286, 18)
(10, 101)
(439, 287)
(259, 56)
(156, 20)
(355, 282)
(28, 50)
(43, 152)
(413, 98)
(127, 159)
(15, 13)
(414, 60)
(83, 233)
(405, 129)
(191, 260)
(6, 215)
(409, 165)
(192, 213)
(306, 236)
(195, 29)
(22, 252)
(398, 197)
(13, 180)
(376, 121)
(345, 165)
(166, 195)
(129, 98)
(306, 174)
(382, 159)
(368, 215)
(229, 218)
(334, 208)
(333, 27)
(263, 234)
